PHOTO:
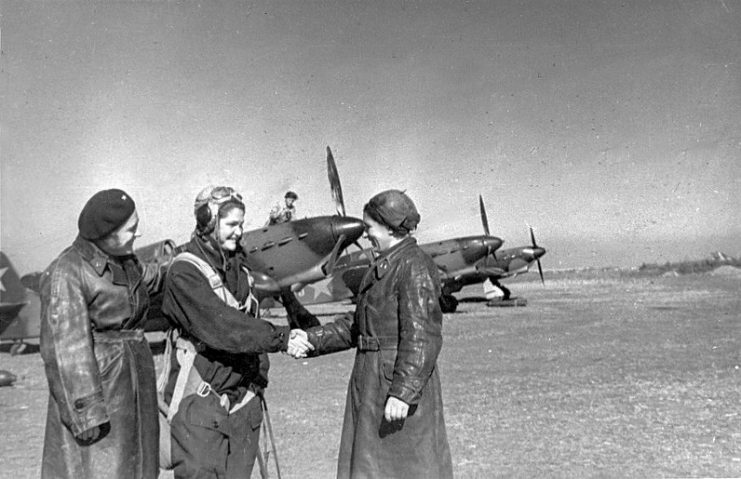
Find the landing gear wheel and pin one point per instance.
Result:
(448, 303)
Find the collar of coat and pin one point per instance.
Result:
(100, 260)
(383, 263)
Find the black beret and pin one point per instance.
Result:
(291, 194)
(105, 212)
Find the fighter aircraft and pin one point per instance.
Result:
(455, 258)
(19, 308)
(480, 261)
(499, 265)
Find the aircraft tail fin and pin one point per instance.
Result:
(12, 290)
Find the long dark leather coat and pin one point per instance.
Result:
(397, 331)
(98, 365)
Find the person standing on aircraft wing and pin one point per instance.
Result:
(102, 415)
(284, 213)
(219, 365)
(394, 425)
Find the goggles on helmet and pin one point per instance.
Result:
(222, 194)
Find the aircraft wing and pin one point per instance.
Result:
(329, 290)
(8, 314)
(10, 309)
(25, 323)
(490, 271)
(344, 283)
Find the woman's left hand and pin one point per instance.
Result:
(396, 409)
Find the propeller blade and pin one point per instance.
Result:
(334, 184)
(540, 270)
(532, 236)
(535, 245)
(484, 219)
(485, 224)
(330, 264)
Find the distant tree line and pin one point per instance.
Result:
(689, 267)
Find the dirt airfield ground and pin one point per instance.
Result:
(597, 377)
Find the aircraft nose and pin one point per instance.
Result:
(478, 247)
(491, 243)
(352, 228)
(535, 252)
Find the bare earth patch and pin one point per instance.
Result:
(594, 378)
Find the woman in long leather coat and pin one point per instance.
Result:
(102, 414)
(394, 425)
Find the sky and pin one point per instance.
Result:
(612, 128)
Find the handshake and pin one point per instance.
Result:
(298, 344)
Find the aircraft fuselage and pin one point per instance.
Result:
(453, 257)
(294, 252)
(502, 264)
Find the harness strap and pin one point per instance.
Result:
(188, 378)
(250, 304)
(165, 373)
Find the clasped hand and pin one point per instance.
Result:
(298, 344)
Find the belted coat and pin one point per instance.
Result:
(396, 329)
(98, 365)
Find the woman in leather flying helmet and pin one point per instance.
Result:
(218, 363)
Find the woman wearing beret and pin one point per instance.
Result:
(102, 414)
(394, 425)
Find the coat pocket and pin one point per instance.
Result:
(114, 375)
(388, 361)
(205, 413)
(108, 356)
(387, 370)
